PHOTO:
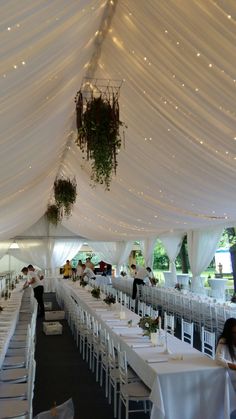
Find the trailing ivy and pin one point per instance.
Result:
(65, 194)
(53, 214)
(98, 125)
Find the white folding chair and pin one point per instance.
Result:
(187, 332)
(131, 392)
(208, 343)
(169, 323)
(63, 411)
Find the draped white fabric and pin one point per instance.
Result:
(115, 253)
(63, 249)
(48, 253)
(172, 244)
(201, 249)
(177, 60)
(147, 247)
(4, 246)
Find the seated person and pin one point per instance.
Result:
(226, 348)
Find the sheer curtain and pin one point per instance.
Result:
(48, 254)
(202, 245)
(147, 247)
(115, 253)
(4, 246)
(63, 249)
(34, 251)
(172, 244)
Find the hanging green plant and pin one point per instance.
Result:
(53, 214)
(98, 125)
(65, 194)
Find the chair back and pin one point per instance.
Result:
(64, 411)
(187, 332)
(169, 323)
(208, 343)
(123, 367)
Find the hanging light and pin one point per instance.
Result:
(14, 245)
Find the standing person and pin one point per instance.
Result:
(35, 282)
(89, 264)
(151, 276)
(67, 270)
(80, 269)
(139, 280)
(88, 274)
(226, 348)
(133, 270)
(39, 273)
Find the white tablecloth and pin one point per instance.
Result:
(190, 388)
(8, 319)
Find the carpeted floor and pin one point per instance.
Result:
(61, 373)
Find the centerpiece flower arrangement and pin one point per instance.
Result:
(179, 287)
(96, 292)
(149, 325)
(233, 298)
(83, 283)
(110, 299)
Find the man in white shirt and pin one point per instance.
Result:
(88, 274)
(34, 280)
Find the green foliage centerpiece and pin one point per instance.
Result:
(98, 125)
(83, 283)
(110, 299)
(96, 292)
(149, 325)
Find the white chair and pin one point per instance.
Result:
(131, 391)
(208, 343)
(64, 411)
(187, 332)
(169, 323)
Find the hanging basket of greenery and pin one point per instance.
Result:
(65, 194)
(98, 125)
(53, 214)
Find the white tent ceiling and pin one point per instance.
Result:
(178, 62)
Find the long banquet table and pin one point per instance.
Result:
(8, 319)
(184, 383)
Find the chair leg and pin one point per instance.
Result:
(119, 409)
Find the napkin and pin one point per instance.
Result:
(100, 309)
(141, 345)
(156, 360)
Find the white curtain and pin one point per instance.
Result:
(115, 253)
(48, 253)
(172, 243)
(34, 251)
(63, 249)
(147, 247)
(4, 246)
(202, 245)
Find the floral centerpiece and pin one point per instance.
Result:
(96, 292)
(110, 299)
(233, 298)
(149, 325)
(179, 287)
(83, 283)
